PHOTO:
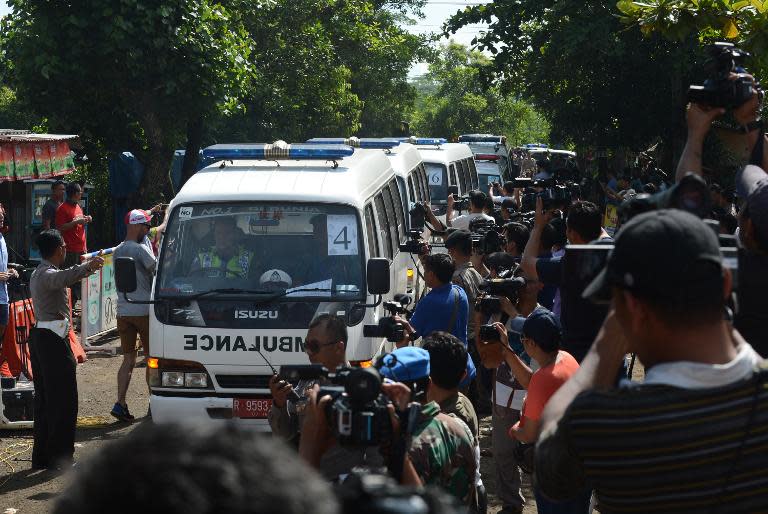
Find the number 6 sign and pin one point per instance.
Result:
(342, 235)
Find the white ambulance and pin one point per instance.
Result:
(258, 244)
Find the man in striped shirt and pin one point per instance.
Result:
(692, 437)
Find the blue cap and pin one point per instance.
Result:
(543, 327)
(406, 364)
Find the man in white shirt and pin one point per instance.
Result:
(477, 201)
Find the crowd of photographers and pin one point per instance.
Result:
(532, 314)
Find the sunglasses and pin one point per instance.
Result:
(314, 346)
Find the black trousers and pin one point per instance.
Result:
(53, 368)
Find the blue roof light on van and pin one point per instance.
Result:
(536, 145)
(423, 141)
(480, 138)
(277, 151)
(364, 143)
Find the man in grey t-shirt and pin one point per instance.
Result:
(56, 199)
(132, 318)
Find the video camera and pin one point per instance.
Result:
(506, 285)
(690, 194)
(415, 244)
(365, 491)
(486, 238)
(719, 90)
(357, 413)
(388, 327)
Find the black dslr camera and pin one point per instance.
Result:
(357, 413)
(488, 305)
(505, 285)
(388, 327)
(719, 90)
(489, 333)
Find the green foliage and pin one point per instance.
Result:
(453, 101)
(15, 115)
(127, 73)
(148, 77)
(743, 22)
(599, 84)
(326, 68)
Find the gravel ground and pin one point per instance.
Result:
(31, 491)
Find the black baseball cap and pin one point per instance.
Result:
(543, 327)
(667, 253)
(460, 238)
(752, 186)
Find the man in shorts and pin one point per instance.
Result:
(133, 318)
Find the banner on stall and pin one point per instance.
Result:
(24, 161)
(6, 163)
(42, 160)
(99, 302)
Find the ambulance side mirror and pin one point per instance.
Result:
(377, 275)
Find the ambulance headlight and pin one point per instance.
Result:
(195, 380)
(173, 379)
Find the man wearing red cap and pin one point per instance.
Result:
(133, 318)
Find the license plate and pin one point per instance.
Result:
(251, 408)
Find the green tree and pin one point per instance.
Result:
(744, 22)
(126, 73)
(599, 84)
(326, 68)
(454, 101)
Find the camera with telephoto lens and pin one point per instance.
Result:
(357, 412)
(718, 89)
(415, 244)
(387, 327)
(552, 196)
(506, 285)
(690, 194)
(489, 333)
(488, 305)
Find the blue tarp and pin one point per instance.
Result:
(125, 174)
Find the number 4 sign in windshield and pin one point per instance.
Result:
(342, 235)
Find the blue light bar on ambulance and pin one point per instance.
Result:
(277, 151)
(423, 141)
(536, 145)
(479, 138)
(366, 142)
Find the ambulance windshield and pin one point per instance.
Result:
(284, 250)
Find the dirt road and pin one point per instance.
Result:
(31, 491)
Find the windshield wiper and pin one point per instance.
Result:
(272, 295)
(224, 291)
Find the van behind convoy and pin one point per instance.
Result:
(258, 244)
(448, 165)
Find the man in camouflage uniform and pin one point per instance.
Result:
(441, 447)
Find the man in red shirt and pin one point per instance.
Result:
(71, 222)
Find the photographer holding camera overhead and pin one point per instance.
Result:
(325, 344)
(733, 92)
(476, 204)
